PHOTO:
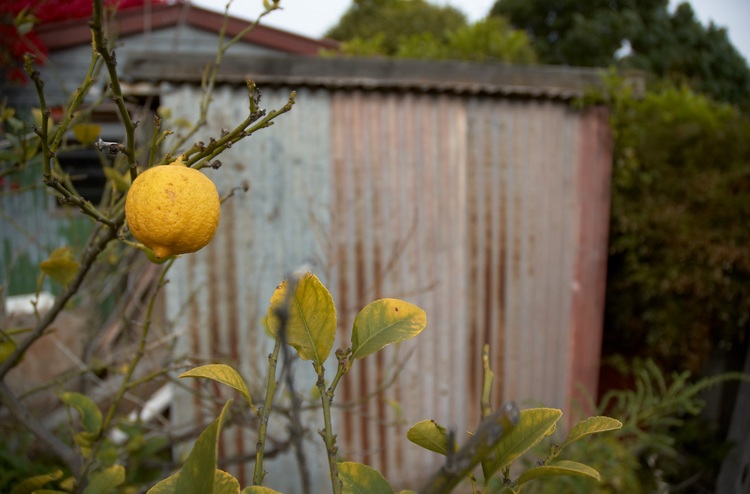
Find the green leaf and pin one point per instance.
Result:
(86, 133)
(166, 486)
(106, 480)
(383, 322)
(198, 474)
(225, 483)
(533, 426)
(7, 347)
(362, 479)
(60, 266)
(311, 326)
(259, 489)
(223, 374)
(430, 435)
(563, 467)
(91, 416)
(591, 425)
(33, 484)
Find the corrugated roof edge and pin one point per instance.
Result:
(537, 81)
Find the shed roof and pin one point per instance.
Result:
(76, 32)
(557, 82)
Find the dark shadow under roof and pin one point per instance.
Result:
(543, 81)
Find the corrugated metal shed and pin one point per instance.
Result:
(475, 191)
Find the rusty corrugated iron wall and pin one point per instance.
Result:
(490, 213)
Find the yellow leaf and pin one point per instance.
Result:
(60, 266)
(86, 133)
(311, 323)
(384, 322)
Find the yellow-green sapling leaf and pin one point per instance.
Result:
(224, 374)
(165, 486)
(33, 484)
(106, 480)
(86, 133)
(311, 324)
(534, 425)
(591, 425)
(91, 416)
(357, 478)
(430, 435)
(225, 483)
(383, 322)
(259, 489)
(563, 467)
(60, 266)
(198, 473)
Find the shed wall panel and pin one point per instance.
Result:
(476, 208)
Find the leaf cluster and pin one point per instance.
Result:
(302, 314)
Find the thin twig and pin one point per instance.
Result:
(101, 47)
(264, 412)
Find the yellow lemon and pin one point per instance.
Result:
(173, 209)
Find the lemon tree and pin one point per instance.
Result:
(173, 209)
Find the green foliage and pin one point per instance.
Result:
(390, 20)
(674, 45)
(569, 32)
(397, 28)
(679, 267)
(486, 40)
(646, 454)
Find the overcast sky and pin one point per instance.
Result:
(313, 18)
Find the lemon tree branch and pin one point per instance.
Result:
(100, 45)
(209, 76)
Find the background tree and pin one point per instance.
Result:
(417, 29)
(389, 20)
(675, 46)
(490, 39)
(679, 267)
